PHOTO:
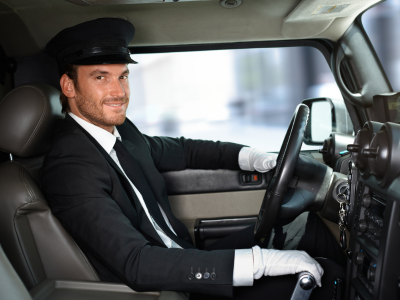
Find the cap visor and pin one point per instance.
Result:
(105, 59)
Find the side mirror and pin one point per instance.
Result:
(326, 116)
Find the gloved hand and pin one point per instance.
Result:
(251, 159)
(270, 262)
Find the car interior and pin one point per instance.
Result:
(351, 182)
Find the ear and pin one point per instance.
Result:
(67, 86)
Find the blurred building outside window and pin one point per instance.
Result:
(244, 96)
(382, 24)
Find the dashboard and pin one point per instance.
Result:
(373, 264)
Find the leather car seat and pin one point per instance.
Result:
(34, 241)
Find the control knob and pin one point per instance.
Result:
(371, 273)
(359, 258)
(362, 225)
(366, 200)
(376, 233)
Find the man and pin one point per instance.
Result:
(102, 180)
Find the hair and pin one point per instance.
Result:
(71, 71)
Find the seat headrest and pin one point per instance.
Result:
(27, 117)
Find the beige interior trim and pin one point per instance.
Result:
(215, 205)
(26, 26)
(318, 157)
(311, 18)
(188, 208)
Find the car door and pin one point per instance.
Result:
(246, 96)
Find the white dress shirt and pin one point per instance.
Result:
(243, 264)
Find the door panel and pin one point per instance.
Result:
(190, 207)
(196, 195)
(191, 181)
(209, 231)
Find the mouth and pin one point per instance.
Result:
(110, 104)
(116, 105)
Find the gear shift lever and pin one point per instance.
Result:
(304, 286)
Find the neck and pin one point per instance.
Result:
(110, 129)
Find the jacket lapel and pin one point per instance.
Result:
(98, 146)
(153, 206)
(143, 221)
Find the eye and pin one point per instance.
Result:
(100, 77)
(124, 77)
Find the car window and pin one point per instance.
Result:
(382, 24)
(246, 96)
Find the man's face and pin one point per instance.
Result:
(102, 96)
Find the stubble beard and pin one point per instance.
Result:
(95, 114)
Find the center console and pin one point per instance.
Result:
(373, 265)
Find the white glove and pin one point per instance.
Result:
(270, 262)
(251, 159)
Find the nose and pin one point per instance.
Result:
(117, 89)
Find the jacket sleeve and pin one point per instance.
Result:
(170, 154)
(76, 180)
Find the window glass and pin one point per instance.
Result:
(382, 24)
(245, 96)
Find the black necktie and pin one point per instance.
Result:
(136, 176)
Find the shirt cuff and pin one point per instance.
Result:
(259, 264)
(244, 159)
(243, 268)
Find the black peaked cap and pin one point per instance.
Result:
(101, 41)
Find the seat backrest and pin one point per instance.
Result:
(33, 239)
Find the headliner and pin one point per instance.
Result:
(27, 25)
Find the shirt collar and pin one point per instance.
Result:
(102, 136)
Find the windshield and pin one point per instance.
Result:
(245, 96)
(382, 25)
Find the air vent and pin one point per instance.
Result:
(362, 142)
(378, 154)
(377, 198)
(118, 2)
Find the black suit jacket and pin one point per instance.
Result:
(95, 203)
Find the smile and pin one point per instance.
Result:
(114, 104)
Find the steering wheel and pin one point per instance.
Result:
(285, 166)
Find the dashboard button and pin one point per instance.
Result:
(371, 273)
(362, 226)
(376, 233)
(366, 200)
(359, 258)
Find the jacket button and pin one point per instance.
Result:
(191, 275)
(213, 275)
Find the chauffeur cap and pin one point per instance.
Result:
(101, 41)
